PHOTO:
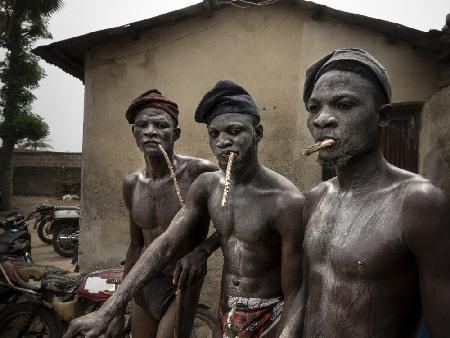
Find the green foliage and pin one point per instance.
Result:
(23, 23)
(35, 145)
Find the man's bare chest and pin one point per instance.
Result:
(357, 236)
(154, 204)
(247, 216)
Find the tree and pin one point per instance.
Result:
(42, 144)
(23, 22)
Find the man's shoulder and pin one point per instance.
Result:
(199, 166)
(287, 192)
(322, 188)
(422, 195)
(131, 179)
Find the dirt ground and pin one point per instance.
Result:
(44, 254)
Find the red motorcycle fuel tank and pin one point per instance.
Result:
(98, 286)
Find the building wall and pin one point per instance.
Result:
(46, 173)
(434, 152)
(266, 50)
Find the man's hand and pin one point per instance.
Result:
(90, 325)
(189, 270)
(116, 326)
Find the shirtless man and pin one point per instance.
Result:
(259, 228)
(152, 202)
(377, 238)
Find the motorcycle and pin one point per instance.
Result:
(52, 217)
(43, 299)
(15, 240)
(66, 230)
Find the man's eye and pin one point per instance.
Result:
(312, 108)
(234, 131)
(213, 133)
(344, 105)
(161, 125)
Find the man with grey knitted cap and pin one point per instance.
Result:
(377, 238)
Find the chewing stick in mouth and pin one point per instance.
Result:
(226, 188)
(172, 174)
(319, 145)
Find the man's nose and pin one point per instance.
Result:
(223, 142)
(150, 131)
(325, 120)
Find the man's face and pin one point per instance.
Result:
(236, 133)
(153, 126)
(343, 107)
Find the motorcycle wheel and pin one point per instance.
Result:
(204, 323)
(45, 231)
(29, 319)
(58, 245)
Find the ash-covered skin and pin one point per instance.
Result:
(377, 237)
(358, 131)
(259, 231)
(152, 202)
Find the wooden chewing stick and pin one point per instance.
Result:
(319, 145)
(226, 188)
(172, 174)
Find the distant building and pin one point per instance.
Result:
(46, 173)
(267, 50)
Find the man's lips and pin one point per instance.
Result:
(225, 154)
(151, 142)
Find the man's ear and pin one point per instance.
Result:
(259, 132)
(176, 133)
(384, 115)
(132, 128)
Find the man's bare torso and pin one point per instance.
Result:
(154, 202)
(250, 242)
(361, 279)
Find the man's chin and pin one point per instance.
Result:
(339, 160)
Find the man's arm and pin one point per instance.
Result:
(136, 237)
(192, 267)
(290, 228)
(115, 328)
(157, 255)
(427, 235)
(293, 323)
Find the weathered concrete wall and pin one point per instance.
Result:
(266, 50)
(46, 173)
(434, 151)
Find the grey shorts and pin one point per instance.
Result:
(157, 296)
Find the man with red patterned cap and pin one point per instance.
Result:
(152, 202)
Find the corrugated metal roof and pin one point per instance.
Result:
(69, 54)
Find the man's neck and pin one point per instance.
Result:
(362, 173)
(156, 166)
(250, 172)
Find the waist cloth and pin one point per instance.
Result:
(248, 317)
(156, 296)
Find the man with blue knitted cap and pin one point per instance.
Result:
(377, 238)
(257, 214)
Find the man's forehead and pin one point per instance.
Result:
(152, 113)
(337, 82)
(230, 119)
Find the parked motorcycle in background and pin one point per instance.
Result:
(15, 240)
(66, 230)
(59, 226)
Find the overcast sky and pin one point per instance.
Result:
(60, 96)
